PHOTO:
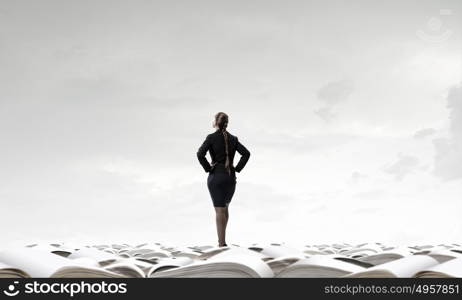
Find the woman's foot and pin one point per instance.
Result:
(224, 245)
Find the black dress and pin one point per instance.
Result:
(220, 183)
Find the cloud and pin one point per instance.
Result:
(332, 94)
(405, 165)
(325, 113)
(373, 194)
(299, 144)
(448, 151)
(423, 133)
(251, 197)
(357, 176)
(335, 92)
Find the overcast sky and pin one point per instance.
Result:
(352, 111)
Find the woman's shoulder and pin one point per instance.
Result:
(232, 137)
(213, 134)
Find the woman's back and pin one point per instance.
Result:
(215, 143)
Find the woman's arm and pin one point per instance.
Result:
(245, 155)
(202, 152)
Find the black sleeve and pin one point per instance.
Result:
(245, 154)
(202, 152)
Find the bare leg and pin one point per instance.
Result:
(226, 216)
(221, 225)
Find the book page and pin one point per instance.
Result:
(101, 257)
(451, 268)
(9, 271)
(403, 267)
(36, 262)
(328, 261)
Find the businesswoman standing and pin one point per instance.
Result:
(221, 180)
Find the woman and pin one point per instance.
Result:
(221, 180)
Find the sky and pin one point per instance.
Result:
(352, 112)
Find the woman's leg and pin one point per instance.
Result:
(226, 215)
(221, 225)
(229, 195)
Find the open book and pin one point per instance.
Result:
(440, 254)
(84, 262)
(320, 266)
(7, 271)
(169, 263)
(448, 269)
(272, 251)
(387, 255)
(229, 263)
(38, 263)
(403, 267)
